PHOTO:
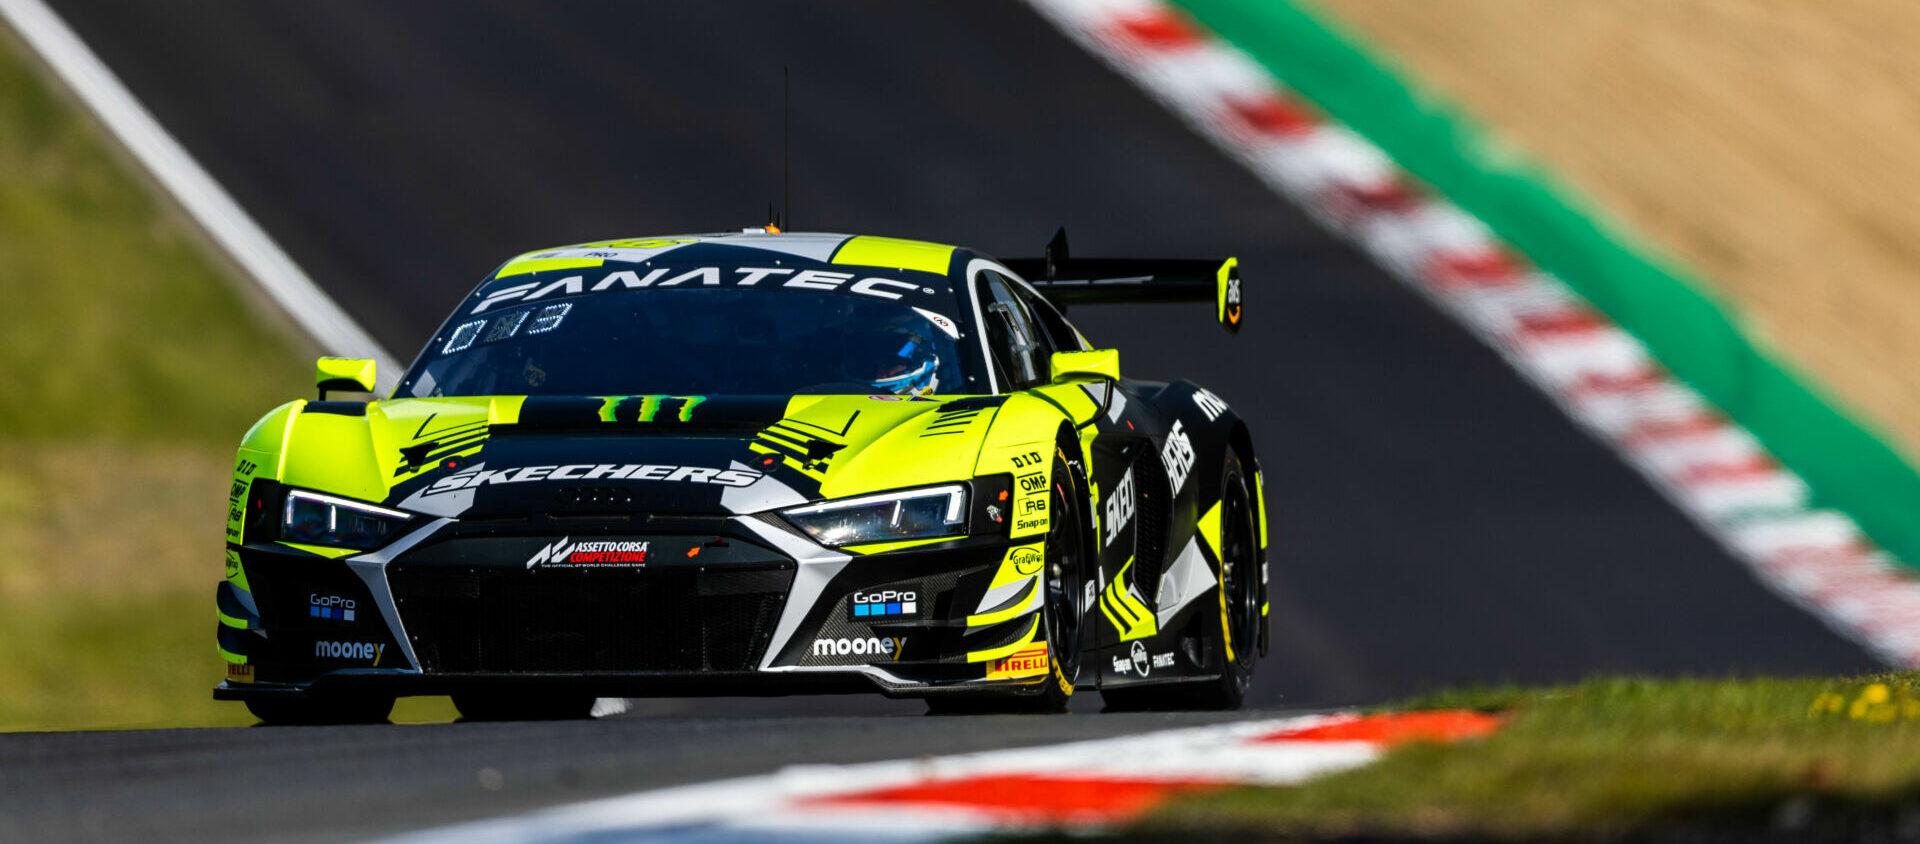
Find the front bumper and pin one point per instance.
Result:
(736, 605)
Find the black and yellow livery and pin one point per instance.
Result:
(754, 463)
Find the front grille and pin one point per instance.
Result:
(508, 619)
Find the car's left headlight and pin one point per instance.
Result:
(317, 519)
(928, 513)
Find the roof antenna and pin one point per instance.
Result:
(786, 133)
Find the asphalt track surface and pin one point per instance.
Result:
(1437, 522)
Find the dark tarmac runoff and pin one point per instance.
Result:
(1436, 521)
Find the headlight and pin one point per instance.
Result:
(317, 519)
(889, 517)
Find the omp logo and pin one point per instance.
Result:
(869, 646)
(885, 602)
(1119, 507)
(1178, 455)
(701, 277)
(1035, 482)
(591, 472)
(1209, 404)
(348, 650)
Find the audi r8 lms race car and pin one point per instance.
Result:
(748, 464)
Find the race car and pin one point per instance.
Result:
(754, 463)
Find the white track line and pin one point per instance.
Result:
(818, 803)
(197, 192)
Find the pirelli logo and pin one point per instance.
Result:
(1029, 661)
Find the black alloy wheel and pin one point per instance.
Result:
(1066, 558)
(1228, 636)
(1239, 585)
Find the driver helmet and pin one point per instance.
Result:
(896, 358)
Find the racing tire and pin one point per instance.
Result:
(523, 706)
(1230, 639)
(313, 710)
(1068, 550)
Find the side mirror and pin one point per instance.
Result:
(1099, 363)
(354, 374)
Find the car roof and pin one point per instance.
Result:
(752, 246)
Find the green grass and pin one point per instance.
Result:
(115, 322)
(132, 367)
(1608, 756)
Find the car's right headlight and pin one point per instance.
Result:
(928, 513)
(317, 519)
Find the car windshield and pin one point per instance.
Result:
(694, 341)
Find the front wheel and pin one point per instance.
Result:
(1068, 555)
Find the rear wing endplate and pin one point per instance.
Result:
(1075, 281)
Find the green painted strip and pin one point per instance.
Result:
(1848, 466)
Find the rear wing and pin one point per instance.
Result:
(1067, 281)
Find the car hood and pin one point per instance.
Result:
(471, 457)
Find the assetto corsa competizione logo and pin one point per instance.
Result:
(565, 553)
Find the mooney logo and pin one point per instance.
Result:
(870, 646)
(348, 650)
(594, 472)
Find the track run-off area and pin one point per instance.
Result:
(1438, 521)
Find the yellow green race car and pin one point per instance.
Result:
(754, 463)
